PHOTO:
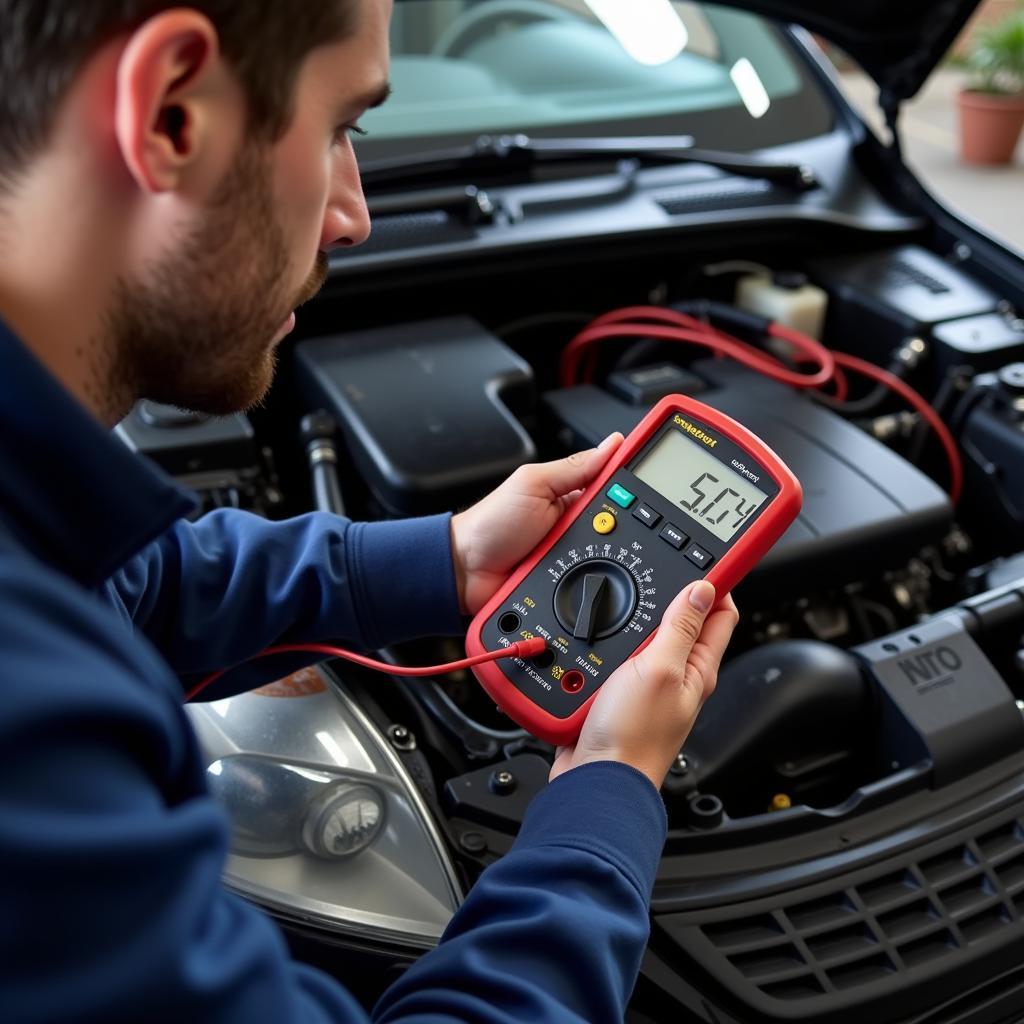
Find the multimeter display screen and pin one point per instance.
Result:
(707, 490)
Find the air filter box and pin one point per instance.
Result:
(428, 410)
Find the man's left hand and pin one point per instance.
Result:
(500, 530)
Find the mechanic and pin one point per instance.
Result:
(171, 179)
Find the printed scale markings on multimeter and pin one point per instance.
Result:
(689, 494)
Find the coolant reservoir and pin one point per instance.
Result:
(786, 297)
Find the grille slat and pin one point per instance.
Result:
(758, 932)
(776, 962)
(951, 866)
(919, 917)
(890, 891)
(910, 920)
(846, 943)
(985, 924)
(963, 897)
(1001, 842)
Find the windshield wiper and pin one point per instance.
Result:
(496, 153)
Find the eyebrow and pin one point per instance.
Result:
(372, 97)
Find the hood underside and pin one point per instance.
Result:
(898, 44)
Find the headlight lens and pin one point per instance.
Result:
(327, 827)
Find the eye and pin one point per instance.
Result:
(344, 131)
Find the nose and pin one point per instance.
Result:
(346, 219)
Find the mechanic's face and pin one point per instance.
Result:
(199, 328)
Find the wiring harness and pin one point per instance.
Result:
(692, 324)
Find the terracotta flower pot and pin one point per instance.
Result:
(990, 126)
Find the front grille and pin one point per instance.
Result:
(897, 929)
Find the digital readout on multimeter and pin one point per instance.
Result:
(700, 485)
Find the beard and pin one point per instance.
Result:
(197, 329)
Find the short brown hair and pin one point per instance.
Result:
(45, 43)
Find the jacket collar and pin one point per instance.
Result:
(69, 490)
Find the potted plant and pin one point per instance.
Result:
(992, 104)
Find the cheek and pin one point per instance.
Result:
(303, 189)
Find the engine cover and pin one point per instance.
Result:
(865, 507)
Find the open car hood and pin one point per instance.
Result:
(898, 44)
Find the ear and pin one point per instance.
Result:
(163, 102)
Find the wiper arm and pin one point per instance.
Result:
(510, 152)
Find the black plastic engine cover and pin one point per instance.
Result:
(865, 508)
(422, 407)
(791, 696)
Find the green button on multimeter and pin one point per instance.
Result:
(621, 496)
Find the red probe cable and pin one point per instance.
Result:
(673, 326)
(905, 391)
(520, 649)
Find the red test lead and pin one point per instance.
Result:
(521, 649)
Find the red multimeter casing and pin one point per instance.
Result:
(690, 494)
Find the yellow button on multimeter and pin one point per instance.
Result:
(604, 522)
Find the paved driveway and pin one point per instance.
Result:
(991, 196)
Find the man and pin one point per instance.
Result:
(170, 181)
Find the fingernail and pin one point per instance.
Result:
(608, 440)
(702, 596)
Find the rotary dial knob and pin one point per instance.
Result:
(595, 599)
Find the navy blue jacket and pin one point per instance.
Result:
(111, 850)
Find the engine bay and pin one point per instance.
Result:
(842, 819)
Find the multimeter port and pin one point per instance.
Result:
(509, 622)
(545, 659)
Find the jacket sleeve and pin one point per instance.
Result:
(212, 593)
(555, 930)
(111, 853)
(110, 850)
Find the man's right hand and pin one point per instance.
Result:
(645, 710)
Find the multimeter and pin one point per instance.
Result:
(690, 494)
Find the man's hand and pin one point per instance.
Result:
(647, 707)
(499, 531)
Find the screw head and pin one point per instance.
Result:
(503, 781)
(401, 738)
(680, 766)
(473, 842)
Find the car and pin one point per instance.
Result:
(846, 821)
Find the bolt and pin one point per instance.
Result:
(503, 782)
(473, 842)
(401, 738)
(681, 766)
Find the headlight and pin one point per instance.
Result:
(327, 826)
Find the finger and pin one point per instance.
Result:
(562, 762)
(573, 473)
(570, 499)
(707, 654)
(680, 629)
(719, 626)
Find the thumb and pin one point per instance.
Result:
(570, 474)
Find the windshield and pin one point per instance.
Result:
(461, 68)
